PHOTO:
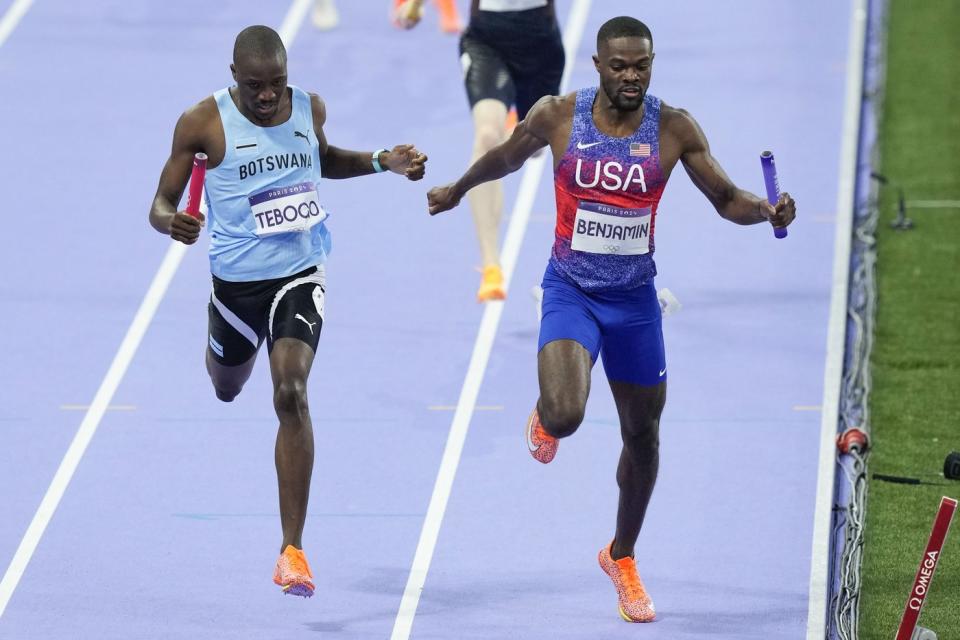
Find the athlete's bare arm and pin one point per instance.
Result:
(337, 163)
(545, 123)
(196, 131)
(685, 140)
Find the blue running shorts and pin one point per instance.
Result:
(622, 326)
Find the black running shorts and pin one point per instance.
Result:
(515, 57)
(244, 314)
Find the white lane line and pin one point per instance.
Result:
(101, 401)
(85, 407)
(292, 21)
(12, 18)
(481, 354)
(90, 422)
(836, 329)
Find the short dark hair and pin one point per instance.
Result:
(258, 41)
(623, 27)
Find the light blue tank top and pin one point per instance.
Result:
(263, 213)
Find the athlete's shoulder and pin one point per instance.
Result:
(199, 125)
(547, 116)
(676, 117)
(318, 107)
(554, 109)
(200, 114)
(678, 123)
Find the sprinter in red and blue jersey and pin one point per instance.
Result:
(614, 147)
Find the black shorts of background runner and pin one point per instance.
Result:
(515, 57)
(244, 314)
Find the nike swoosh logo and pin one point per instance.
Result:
(580, 145)
(663, 372)
(528, 436)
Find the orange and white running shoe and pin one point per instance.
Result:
(635, 604)
(542, 445)
(293, 574)
(491, 286)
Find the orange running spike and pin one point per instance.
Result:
(542, 446)
(491, 286)
(635, 604)
(292, 573)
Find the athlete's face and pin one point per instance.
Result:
(261, 84)
(624, 65)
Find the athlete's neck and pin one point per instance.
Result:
(613, 121)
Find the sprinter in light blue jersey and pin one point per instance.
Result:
(268, 243)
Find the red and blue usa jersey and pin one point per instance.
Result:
(607, 192)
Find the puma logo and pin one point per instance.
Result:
(309, 324)
(297, 134)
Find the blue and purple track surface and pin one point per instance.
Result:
(169, 526)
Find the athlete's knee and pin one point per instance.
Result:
(226, 395)
(561, 417)
(642, 437)
(487, 137)
(225, 389)
(290, 398)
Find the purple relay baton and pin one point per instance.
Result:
(773, 186)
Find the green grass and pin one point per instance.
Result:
(916, 358)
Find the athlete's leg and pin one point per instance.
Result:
(228, 380)
(639, 408)
(486, 200)
(232, 343)
(290, 363)
(294, 323)
(568, 346)
(490, 92)
(635, 363)
(563, 367)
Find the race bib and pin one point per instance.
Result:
(601, 228)
(286, 209)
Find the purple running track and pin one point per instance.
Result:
(169, 528)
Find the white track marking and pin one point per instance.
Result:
(121, 361)
(12, 18)
(481, 354)
(836, 330)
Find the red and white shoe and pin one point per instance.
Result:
(543, 446)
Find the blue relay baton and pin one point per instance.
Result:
(773, 187)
